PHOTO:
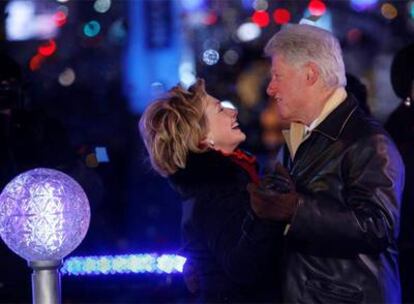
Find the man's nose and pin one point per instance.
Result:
(271, 89)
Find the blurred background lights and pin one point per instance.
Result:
(36, 62)
(24, 22)
(187, 74)
(360, 5)
(67, 77)
(230, 57)
(389, 11)
(317, 8)
(62, 1)
(261, 18)
(260, 5)
(411, 8)
(248, 31)
(192, 5)
(281, 16)
(92, 28)
(210, 18)
(210, 57)
(354, 35)
(47, 49)
(59, 18)
(102, 6)
(117, 32)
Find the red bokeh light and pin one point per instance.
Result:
(47, 49)
(210, 19)
(317, 8)
(261, 18)
(59, 18)
(281, 16)
(36, 62)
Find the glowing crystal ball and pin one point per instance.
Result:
(44, 214)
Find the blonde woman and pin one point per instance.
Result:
(193, 141)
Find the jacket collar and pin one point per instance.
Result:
(334, 123)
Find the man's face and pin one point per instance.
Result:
(286, 89)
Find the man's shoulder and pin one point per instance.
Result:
(362, 126)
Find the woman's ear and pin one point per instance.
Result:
(207, 142)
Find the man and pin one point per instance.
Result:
(342, 199)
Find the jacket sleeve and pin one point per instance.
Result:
(366, 221)
(245, 246)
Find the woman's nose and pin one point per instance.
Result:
(233, 112)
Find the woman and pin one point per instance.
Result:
(192, 140)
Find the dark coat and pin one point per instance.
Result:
(342, 240)
(235, 254)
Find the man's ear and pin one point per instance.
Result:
(312, 73)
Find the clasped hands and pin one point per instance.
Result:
(275, 197)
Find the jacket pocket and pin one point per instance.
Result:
(326, 291)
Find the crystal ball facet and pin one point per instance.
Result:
(44, 214)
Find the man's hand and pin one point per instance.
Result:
(275, 198)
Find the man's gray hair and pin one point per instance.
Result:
(302, 43)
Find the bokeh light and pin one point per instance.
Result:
(317, 8)
(411, 9)
(59, 18)
(210, 57)
(389, 11)
(36, 62)
(92, 28)
(248, 31)
(230, 57)
(48, 48)
(360, 5)
(102, 6)
(210, 18)
(354, 35)
(187, 73)
(281, 16)
(67, 77)
(260, 5)
(261, 18)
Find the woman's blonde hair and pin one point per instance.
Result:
(173, 126)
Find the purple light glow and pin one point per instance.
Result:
(44, 214)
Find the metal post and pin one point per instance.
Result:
(46, 282)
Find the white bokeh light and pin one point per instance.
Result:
(248, 31)
(67, 77)
(211, 57)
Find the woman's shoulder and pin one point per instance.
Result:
(205, 171)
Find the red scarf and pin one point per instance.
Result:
(246, 162)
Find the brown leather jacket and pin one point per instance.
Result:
(342, 239)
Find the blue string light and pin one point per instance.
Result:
(123, 264)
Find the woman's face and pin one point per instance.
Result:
(224, 133)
